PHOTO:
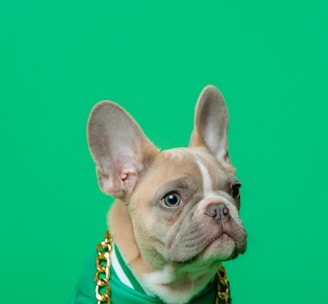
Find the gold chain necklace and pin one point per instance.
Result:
(102, 276)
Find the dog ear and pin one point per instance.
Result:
(211, 125)
(119, 148)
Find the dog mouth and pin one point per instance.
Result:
(227, 245)
(205, 243)
(220, 235)
(223, 246)
(223, 237)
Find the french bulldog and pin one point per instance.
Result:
(176, 217)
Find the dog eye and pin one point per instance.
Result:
(171, 200)
(235, 190)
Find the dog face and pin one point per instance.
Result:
(177, 215)
(190, 209)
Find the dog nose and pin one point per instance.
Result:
(218, 211)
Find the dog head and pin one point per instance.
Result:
(182, 204)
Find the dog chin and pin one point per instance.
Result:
(222, 248)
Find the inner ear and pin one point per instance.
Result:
(211, 125)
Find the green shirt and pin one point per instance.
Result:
(122, 294)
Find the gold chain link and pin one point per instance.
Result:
(102, 275)
(223, 286)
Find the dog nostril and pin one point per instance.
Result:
(212, 211)
(225, 210)
(218, 211)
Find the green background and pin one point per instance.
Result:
(58, 58)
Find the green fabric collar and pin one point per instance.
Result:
(122, 294)
(136, 285)
(139, 295)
